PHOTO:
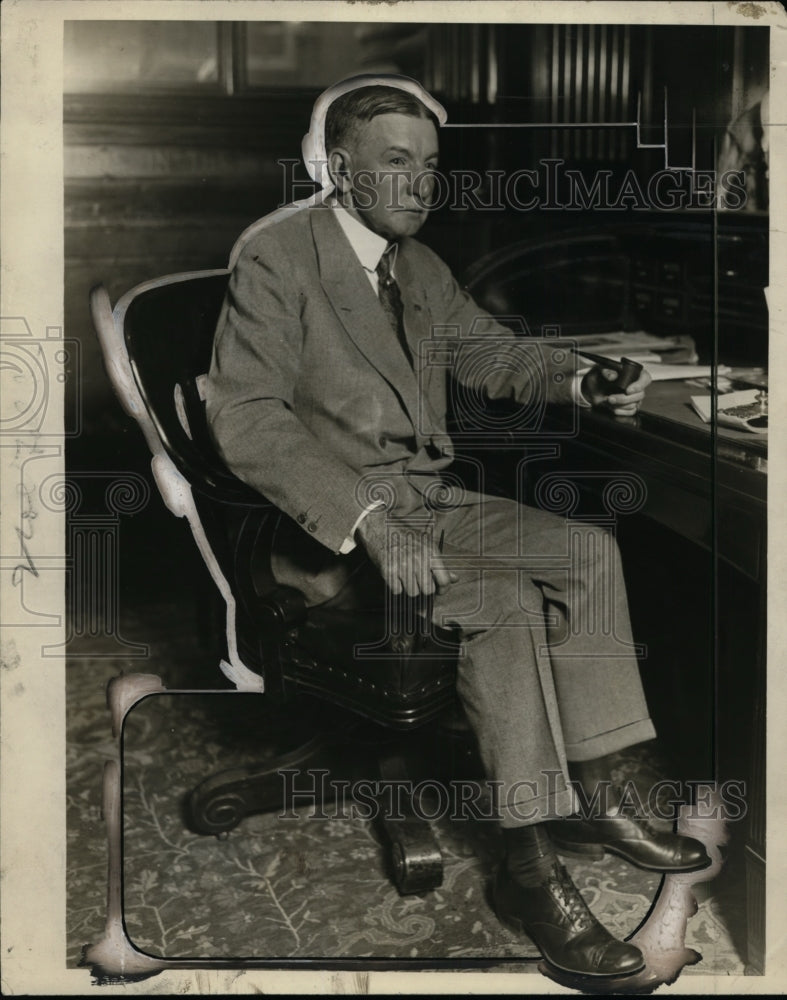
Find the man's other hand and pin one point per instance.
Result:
(596, 390)
(406, 557)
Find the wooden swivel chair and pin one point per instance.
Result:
(397, 694)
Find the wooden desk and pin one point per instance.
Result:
(710, 490)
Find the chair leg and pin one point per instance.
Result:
(219, 803)
(416, 860)
(415, 854)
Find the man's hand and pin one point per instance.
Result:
(405, 556)
(596, 390)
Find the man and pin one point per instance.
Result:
(322, 395)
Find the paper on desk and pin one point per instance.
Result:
(728, 401)
(642, 347)
(619, 340)
(663, 373)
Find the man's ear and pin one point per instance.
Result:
(340, 169)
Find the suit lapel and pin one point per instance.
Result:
(360, 313)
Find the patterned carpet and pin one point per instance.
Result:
(311, 887)
(287, 889)
(278, 887)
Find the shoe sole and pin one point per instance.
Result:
(517, 927)
(597, 852)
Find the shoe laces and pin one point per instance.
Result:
(570, 898)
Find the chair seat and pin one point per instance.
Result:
(399, 679)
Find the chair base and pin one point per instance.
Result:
(326, 766)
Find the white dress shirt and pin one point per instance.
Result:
(368, 246)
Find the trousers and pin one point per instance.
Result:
(547, 672)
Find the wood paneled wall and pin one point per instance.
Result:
(159, 186)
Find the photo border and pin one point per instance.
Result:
(32, 773)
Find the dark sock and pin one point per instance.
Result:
(595, 779)
(530, 855)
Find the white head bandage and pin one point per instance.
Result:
(313, 146)
(315, 155)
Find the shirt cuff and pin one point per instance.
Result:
(349, 543)
(576, 389)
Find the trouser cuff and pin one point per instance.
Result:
(523, 810)
(609, 742)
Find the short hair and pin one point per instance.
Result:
(349, 110)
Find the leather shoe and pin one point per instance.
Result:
(556, 917)
(632, 838)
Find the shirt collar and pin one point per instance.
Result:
(368, 246)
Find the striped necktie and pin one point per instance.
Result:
(391, 298)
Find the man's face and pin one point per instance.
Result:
(390, 160)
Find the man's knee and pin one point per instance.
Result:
(492, 597)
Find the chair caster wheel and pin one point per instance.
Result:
(416, 867)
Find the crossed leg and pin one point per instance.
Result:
(548, 672)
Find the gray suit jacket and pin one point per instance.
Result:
(310, 398)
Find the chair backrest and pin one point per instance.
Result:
(157, 344)
(168, 328)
